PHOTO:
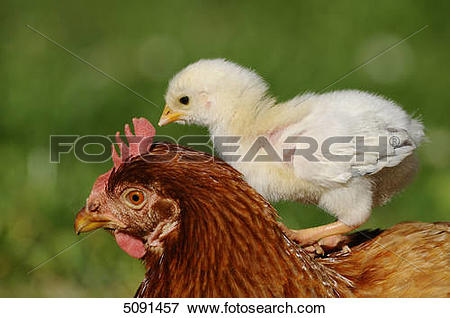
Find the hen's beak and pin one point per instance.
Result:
(86, 221)
(169, 116)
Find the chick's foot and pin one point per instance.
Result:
(321, 239)
(328, 245)
(334, 242)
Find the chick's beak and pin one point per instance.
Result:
(86, 221)
(169, 116)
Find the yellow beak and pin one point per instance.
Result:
(169, 116)
(86, 221)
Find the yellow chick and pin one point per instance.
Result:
(344, 151)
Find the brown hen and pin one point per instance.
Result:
(202, 231)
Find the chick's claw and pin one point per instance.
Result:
(314, 250)
(329, 245)
(334, 242)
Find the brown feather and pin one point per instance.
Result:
(228, 242)
(410, 259)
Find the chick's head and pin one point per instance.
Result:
(209, 91)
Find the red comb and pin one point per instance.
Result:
(138, 144)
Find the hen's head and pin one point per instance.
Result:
(208, 91)
(126, 200)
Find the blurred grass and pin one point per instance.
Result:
(297, 46)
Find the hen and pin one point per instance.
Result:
(359, 146)
(202, 231)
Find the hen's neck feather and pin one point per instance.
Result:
(228, 243)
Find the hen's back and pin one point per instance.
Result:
(408, 260)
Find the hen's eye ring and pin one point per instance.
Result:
(184, 100)
(134, 198)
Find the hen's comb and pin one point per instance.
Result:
(138, 144)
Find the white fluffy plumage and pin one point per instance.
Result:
(233, 100)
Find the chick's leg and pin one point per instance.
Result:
(329, 233)
(351, 205)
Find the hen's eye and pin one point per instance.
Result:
(184, 100)
(135, 198)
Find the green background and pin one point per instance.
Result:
(296, 45)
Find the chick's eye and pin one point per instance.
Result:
(184, 100)
(135, 197)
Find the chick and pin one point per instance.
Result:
(372, 139)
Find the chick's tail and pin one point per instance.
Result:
(416, 131)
